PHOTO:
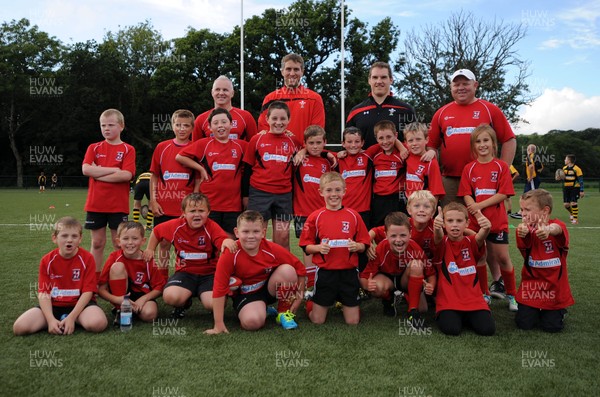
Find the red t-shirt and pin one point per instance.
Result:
(243, 125)
(270, 156)
(306, 185)
(106, 196)
(196, 249)
(306, 108)
(338, 226)
(174, 180)
(458, 286)
(143, 276)
(481, 181)
(451, 128)
(254, 271)
(386, 261)
(223, 163)
(544, 277)
(389, 171)
(421, 175)
(67, 279)
(357, 171)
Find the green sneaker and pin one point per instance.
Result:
(286, 320)
(513, 306)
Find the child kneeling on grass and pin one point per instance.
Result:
(126, 272)
(267, 272)
(459, 299)
(544, 292)
(66, 287)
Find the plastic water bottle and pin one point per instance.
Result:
(126, 314)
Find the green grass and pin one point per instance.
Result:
(376, 358)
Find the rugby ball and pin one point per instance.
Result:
(559, 175)
(234, 283)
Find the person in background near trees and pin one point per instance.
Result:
(572, 187)
(53, 181)
(42, 182)
(306, 106)
(380, 105)
(243, 125)
(533, 167)
(450, 132)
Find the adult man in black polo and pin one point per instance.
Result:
(380, 105)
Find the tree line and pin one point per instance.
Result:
(52, 94)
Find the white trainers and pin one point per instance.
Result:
(487, 299)
(513, 306)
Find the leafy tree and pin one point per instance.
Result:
(430, 56)
(28, 86)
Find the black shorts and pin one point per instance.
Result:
(271, 206)
(241, 300)
(366, 217)
(528, 317)
(383, 205)
(227, 220)
(98, 220)
(141, 189)
(163, 218)
(299, 222)
(336, 285)
(498, 238)
(195, 283)
(571, 194)
(395, 280)
(59, 311)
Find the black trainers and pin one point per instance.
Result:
(117, 319)
(414, 320)
(497, 289)
(389, 310)
(179, 312)
(515, 215)
(363, 295)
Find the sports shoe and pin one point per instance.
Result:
(179, 312)
(513, 306)
(497, 289)
(271, 311)
(286, 320)
(363, 295)
(117, 319)
(309, 293)
(389, 310)
(148, 228)
(414, 320)
(487, 299)
(574, 221)
(516, 215)
(398, 295)
(338, 305)
(571, 218)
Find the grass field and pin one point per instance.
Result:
(379, 357)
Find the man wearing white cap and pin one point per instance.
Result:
(451, 128)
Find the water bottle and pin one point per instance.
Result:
(126, 314)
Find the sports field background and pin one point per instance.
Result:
(380, 357)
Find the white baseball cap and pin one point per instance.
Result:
(463, 72)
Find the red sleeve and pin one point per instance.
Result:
(223, 271)
(89, 155)
(44, 283)
(195, 150)
(250, 154)
(506, 184)
(373, 150)
(436, 185)
(373, 264)
(285, 256)
(379, 234)
(464, 189)
(251, 128)
(163, 231)
(90, 284)
(157, 278)
(198, 133)
(155, 163)
(501, 125)
(309, 233)
(435, 133)
(129, 161)
(217, 235)
(562, 241)
(478, 251)
(262, 117)
(362, 234)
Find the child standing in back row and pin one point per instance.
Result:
(110, 165)
(484, 185)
